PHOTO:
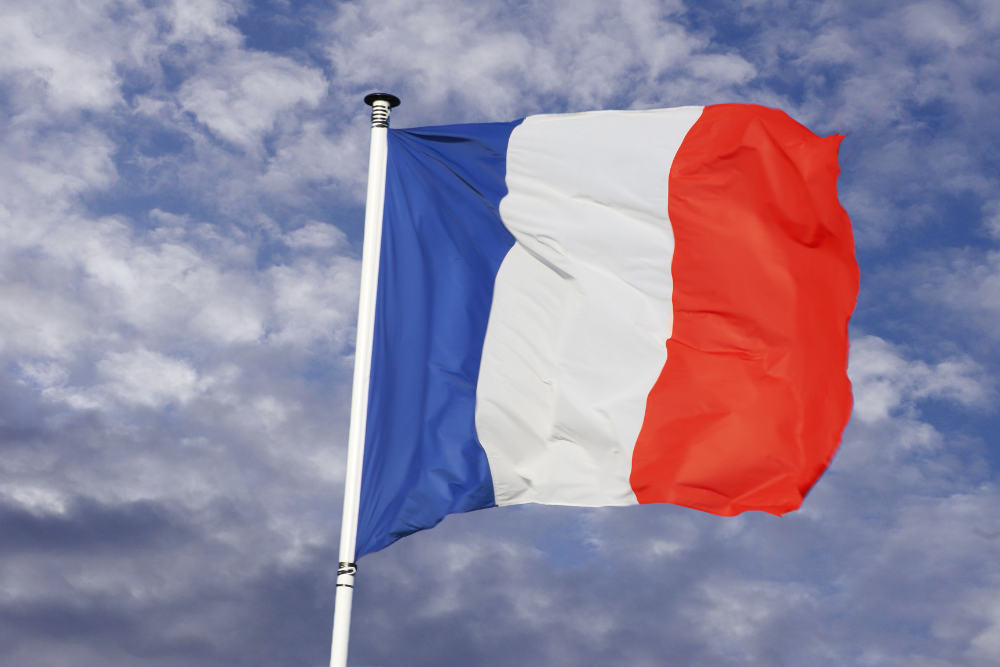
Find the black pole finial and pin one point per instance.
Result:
(380, 112)
(372, 98)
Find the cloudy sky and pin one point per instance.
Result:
(181, 206)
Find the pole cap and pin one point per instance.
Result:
(372, 98)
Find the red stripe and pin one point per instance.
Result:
(754, 396)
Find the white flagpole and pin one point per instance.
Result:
(380, 103)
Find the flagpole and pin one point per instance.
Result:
(381, 103)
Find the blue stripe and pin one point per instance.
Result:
(442, 245)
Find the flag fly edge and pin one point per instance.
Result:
(751, 404)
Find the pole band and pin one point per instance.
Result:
(348, 569)
(380, 115)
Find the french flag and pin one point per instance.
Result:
(607, 308)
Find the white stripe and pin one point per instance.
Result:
(581, 308)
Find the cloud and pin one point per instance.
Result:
(149, 379)
(991, 218)
(38, 322)
(179, 217)
(194, 21)
(734, 612)
(242, 99)
(488, 62)
(964, 283)
(316, 235)
(43, 50)
(312, 302)
(44, 168)
(936, 24)
(154, 396)
(884, 381)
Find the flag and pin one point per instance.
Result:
(607, 308)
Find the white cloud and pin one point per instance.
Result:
(735, 611)
(38, 322)
(317, 235)
(242, 97)
(46, 49)
(884, 381)
(149, 379)
(39, 500)
(313, 157)
(315, 303)
(165, 289)
(723, 68)
(936, 22)
(480, 63)
(965, 282)
(44, 169)
(205, 20)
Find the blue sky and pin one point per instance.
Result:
(181, 203)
